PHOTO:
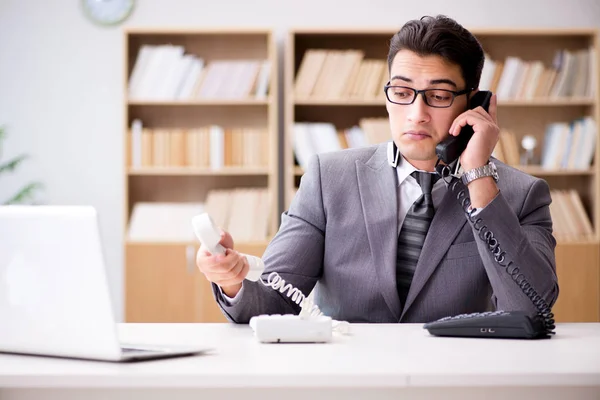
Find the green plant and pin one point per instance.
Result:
(26, 193)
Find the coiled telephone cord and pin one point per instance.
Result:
(308, 309)
(493, 245)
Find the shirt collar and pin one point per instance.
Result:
(404, 169)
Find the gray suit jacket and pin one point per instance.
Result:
(339, 237)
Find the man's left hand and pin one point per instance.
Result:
(485, 134)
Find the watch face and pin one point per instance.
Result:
(108, 12)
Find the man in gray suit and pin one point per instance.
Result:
(343, 233)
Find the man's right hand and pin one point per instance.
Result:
(227, 271)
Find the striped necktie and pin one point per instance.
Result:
(413, 232)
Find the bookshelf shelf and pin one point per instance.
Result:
(227, 171)
(558, 84)
(339, 102)
(201, 135)
(547, 102)
(544, 33)
(505, 103)
(538, 171)
(201, 102)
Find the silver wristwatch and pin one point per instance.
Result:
(488, 169)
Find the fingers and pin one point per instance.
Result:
(224, 270)
(226, 240)
(203, 251)
(483, 114)
(470, 117)
(219, 262)
(234, 276)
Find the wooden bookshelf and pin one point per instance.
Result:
(522, 114)
(190, 94)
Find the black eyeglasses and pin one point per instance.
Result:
(438, 98)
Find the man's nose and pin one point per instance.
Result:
(418, 110)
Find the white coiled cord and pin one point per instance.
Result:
(308, 309)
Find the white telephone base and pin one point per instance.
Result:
(289, 328)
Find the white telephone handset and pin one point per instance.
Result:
(309, 326)
(209, 237)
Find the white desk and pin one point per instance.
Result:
(376, 362)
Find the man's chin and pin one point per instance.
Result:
(417, 153)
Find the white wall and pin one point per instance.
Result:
(61, 87)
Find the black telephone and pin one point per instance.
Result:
(449, 149)
(493, 324)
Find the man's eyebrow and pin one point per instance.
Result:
(431, 82)
(402, 78)
(444, 80)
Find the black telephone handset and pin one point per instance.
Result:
(449, 149)
(492, 324)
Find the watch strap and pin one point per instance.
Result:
(488, 169)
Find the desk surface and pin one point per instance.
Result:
(393, 356)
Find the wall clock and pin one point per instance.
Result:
(108, 12)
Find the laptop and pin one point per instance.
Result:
(54, 293)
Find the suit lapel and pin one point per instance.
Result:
(445, 226)
(377, 185)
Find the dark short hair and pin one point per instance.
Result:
(444, 37)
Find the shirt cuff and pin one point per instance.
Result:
(232, 300)
(476, 211)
